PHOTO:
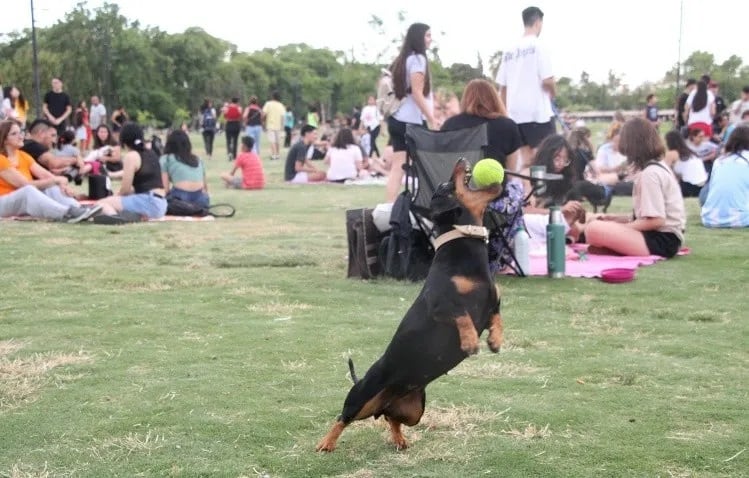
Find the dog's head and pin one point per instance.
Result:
(455, 203)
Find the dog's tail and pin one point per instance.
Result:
(351, 369)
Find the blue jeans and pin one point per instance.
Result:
(255, 132)
(196, 197)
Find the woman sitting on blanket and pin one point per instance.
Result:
(142, 190)
(657, 226)
(183, 171)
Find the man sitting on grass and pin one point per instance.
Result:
(299, 168)
(42, 140)
(249, 163)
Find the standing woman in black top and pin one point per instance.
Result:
(142, 190)
(119, 118)
(481, 104)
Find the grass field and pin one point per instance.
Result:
(219, 349)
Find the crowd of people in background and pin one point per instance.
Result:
(73, 140)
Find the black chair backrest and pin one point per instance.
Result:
(432, 156)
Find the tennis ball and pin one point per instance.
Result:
(487, 172)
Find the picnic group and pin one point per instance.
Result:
(704, 153)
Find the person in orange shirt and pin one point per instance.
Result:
(249, 163)
(26, 188)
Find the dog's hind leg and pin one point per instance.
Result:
(396, 434)
(406, 410)
(469, 338)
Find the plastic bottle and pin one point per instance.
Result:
(521, 249)
(555, 243)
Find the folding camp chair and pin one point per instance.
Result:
(430, 162)
(431, 159)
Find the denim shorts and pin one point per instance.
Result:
(145, 204)
(198, 197)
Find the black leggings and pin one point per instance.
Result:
(583, 189)
(208, 136)
(287, 138)
(689, 190)
(373, 134)
(232, 136)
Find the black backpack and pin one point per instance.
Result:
(405, 253)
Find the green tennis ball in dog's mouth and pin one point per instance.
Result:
(487, 172)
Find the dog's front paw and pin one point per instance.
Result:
(495, 339)
(470, 347)
(469, 338)
(494, 344)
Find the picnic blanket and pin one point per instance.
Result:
(581, 264)
(163, 219)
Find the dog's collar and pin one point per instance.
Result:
(476, 232)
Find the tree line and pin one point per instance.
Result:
(162, 78)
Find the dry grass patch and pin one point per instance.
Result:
(492, 369)
(529, 432)
(278, 308)
(60, 241)
(256, 291)
(177, 284)
(363, 473)
(20, 378)
(709, 432)
(294, 365)
(21, 470)
(8, 347)
(597, 327)
(458, 420)
(123, 447)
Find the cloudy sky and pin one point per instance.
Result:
(637, 39)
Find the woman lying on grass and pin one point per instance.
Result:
(657, 226)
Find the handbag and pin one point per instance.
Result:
(178, 207)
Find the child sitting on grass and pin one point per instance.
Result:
(248, 161)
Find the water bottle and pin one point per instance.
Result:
(521, 249)
(555, 243)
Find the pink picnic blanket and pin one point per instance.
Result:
(581, 264)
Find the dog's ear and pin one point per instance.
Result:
(444, 201)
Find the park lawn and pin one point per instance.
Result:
(219, 349)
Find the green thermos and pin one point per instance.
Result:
(555, 246)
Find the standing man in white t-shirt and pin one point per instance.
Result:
(526, 85)
(97, 114)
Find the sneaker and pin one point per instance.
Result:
(124, 217)
(109, 220)
(77, 214)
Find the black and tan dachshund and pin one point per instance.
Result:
(458, 302)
